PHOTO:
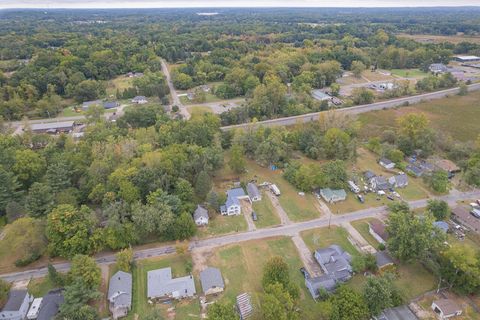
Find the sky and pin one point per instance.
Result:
(228, 3)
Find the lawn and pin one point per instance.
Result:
(409, 73)
(119, 83)
(197, 111)
(362, 228)
(178, 263)
(455, 115)
(40, 287)
(267, 216)
(298, 208)
(324, 237)
(219, 224)
(248, 259)
(209, 97)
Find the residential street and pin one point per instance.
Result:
(175, 100)
(291, 230)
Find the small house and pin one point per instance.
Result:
(397, 313)
(414, 170)
(442, 225)
(378, 230)
(34, 309)
(244, 306)
(399, 181)
(387, 163)
(383, 260)
(139, 100)
(120, 294)
(232, 206)
(162, 286)
(379, 183)
(332, 196)
(51, 303)
(335, 262)
(17, 305)
(110, 104)
(253, 192)
(446, 308)
(200, 216)
(212, 281)
(437, 68)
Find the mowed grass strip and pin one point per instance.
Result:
(219, 225)
(324, 237)
(267, 216)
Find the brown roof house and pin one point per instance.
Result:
(378, 231)
(446, 308)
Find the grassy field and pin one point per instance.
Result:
(265, 212)
(428, 38)
(298, 208)
(409, 73)
(248, 259)
(222, 225)
(456, 115)
(119, 83)
(178, 264)
(362, 228)
(197, 111)
(209, 97)
(324, 237)
(40, 287)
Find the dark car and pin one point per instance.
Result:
(390, 197)
(254, 216)
(304, 272)
(360, 198)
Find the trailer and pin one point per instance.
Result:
(274, 189)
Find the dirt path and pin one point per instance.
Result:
(200, 257)
(306, 255)
(357, 240)
(247, 213)
(322, 207)
(284, 219)
(102, 304)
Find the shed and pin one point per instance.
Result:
(387, 163)
(212, 281)
(383, 260)
(332, 196)
(253, 192)
(446, 308)
(442, 225)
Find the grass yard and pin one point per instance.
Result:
(178, 264)
(197, 111)
(223, 225)
(376, 76)
(209, 97)
(298, 208)
(247, 259)
(324, 237)
(119, 83)
(267, 216)
(409, 73)
(40, 287)
(362, 228)
(428, 38)
(455, 115)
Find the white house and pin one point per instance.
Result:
(232, 206)
(446, 308)
(253, 192)
(139, 100)
(17, 305)
(387, 163)
(200, 216)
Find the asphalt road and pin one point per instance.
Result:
(355, 110)
(285, 230)
(175, 99)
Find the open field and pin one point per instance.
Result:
(298, 208)
(248, 259)
(120, 83)
(197, 111)
(223, 225)
(456, 115)
(376, 76)
(409, 73)
(209, 98)
(428, 38)
(324, 237)
(362, 228)
(267, 216)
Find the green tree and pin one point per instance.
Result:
(439, 209)
(85, 268)
(337, 144)
(438, 181)
(154, 314)
(278, 304)
(460, 267)
(55, 277)
(70, 231)
(125, 259)
(184, 227)
(29, 166)
(5, 288)
(335, 89)
(88, 90)
(380, 293)
(76, 296)
(9, 190)
(362, 96)
(348, 305)
(237, 160)
(276, 271)
(357, 68)
(203, 184)
(463, 89)
(58, 176)
(39, 201)
(222, 311)
(95, 113)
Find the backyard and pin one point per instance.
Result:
(265, 211)
(219, 224)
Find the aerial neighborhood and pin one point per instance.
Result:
(239, 163)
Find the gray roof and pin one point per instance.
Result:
(110, 104)
(335, 262)
(324, 281)
(52, 125)
(399, 180)
(200, 212)
(383, 259)
(329, 194)
(211, 278)
(415, 170)
(92, 103)
(386, 161)
(15, 300)
(50, 305)
(252, 190)
(160, 284)
(369, 175)
(233, 195)
(397, 313)
(442, 225)
(138, 98)
(120, 289)
(381, 183)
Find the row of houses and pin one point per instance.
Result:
(21, 305)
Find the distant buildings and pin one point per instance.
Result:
(17, 305)
(387, 163)
(120, 294)
(438, 68)
(162, 286)
(53, 127)
(467, 58)
(140, 100)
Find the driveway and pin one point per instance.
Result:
(357, 240)
(284, 219)
(247, 213)
(309, 262)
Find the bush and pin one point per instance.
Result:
(25, 261)
(381, 247)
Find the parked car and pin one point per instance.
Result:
(389, 197)
(475, 213)
(360, 198)
(254, 216)
(304, 272)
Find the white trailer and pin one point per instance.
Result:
(34, 309)
(274, 189)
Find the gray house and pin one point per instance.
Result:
(379, 183)
(200, 216)
(332, 196)
(399, 181)
(323, 282)
(120, 294)
(17, 305)
(335, 262)
(253, 192)
(212, 281)
(162, 286)
(397, 313)
(232, 205)
(50, 305)
(387, 163)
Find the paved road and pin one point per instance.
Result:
(286, 230)
(175, 99)
(355, 110)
